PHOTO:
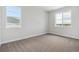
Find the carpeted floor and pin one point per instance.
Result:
(43, 43)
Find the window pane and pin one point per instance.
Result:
(13, 14)
(58, 19)
(67, 18)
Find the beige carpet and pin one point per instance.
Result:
(43, 43)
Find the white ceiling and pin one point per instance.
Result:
(49, 8)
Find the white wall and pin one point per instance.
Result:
(65, 31)
(34, 23)
(1, 25)
(0, 28)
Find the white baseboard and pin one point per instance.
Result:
(22, 38)
(26, 37)
(67, 36)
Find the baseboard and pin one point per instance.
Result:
(30, 36)
(62, 35)
(26, 37)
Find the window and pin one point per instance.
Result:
(63, 18)
(67, 18)
(13, 15)
(59, 19)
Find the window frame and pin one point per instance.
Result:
(56, 25)
(20, 21)
(64, 18)
(56, 19)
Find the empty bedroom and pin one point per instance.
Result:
(39, 29)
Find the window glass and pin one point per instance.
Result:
(13, 14)
(58, 19)
(67, 18)
(63, 18)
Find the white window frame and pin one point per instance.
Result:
(70, 18)
(56, 25)
(11, 26)
(63, 19)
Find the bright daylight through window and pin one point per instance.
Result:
(63, 18)
(13, 15)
